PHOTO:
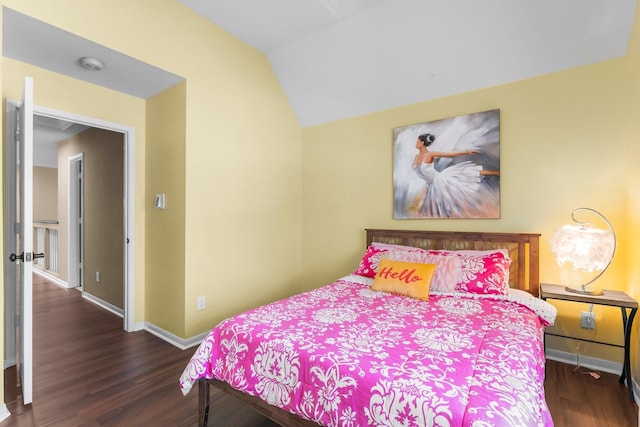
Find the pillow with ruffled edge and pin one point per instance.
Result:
(404, 278)
(482, 272)
(471, 252)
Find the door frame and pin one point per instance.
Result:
(10, 233)
(76, 225)
(128, 134)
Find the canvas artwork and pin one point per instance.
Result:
(448, 168)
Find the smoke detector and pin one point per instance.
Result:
(91, 64)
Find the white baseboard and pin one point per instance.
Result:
(107, 306)
(91, 298)
(600, 365)
(586, 361)
(138, 326)
(55, 279)
(181, 343)
(172, 339)
(4, 412)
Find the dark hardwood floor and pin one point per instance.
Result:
(578, 399)
(88, 372)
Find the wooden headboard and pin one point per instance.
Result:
(523, 249)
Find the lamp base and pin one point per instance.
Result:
(594, 292)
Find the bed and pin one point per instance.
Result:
(469, 353)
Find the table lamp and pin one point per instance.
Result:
(586, 248)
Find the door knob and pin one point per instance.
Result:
(14, 257)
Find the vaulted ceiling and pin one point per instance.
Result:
(343, 58)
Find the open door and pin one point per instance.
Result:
(23, 254)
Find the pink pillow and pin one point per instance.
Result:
(375, 252)
(482, 272)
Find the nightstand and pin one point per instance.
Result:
(609, 298)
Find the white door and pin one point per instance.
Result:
(24, 241)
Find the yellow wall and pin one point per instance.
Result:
(565, 141)
(241, 161)
(166, 123)
(632, 154)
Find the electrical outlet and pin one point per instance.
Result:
(202, 303)
(587, 320)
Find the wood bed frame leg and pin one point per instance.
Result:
(203, 402)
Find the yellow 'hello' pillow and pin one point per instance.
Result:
(404, 278)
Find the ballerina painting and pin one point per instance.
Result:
(448, 168)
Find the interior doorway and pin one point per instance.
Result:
(128, 215)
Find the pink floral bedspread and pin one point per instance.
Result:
(344, 355)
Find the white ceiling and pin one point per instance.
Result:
(337, 59)
(344, 58)
(47, 134)
(37, 43)
(269, 25)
